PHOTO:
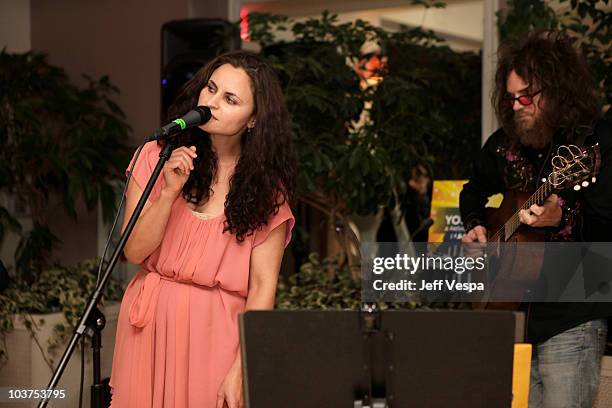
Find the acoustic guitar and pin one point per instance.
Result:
(573, 167)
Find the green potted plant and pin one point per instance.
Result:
(437, 91)
(357, 143)
(324, 284)
(60, 142)
(321, 284)
(59, 290)
(37, 320)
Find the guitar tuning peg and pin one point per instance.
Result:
(577, 187)
(543, 179)
(593, 179)
(585, 183)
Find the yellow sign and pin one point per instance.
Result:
(447, 224)
(520, 375)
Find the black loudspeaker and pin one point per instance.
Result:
(186, 46)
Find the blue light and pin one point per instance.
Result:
(164, 82)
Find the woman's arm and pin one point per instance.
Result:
(151, 225)
(265, 265)
(149, 229)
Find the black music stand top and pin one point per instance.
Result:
(423, 359)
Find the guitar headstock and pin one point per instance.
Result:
(574, 167)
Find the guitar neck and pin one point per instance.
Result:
(572, 166)
(510, 227)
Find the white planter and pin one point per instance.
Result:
(366, 229)
(26, 367)
(366, 226)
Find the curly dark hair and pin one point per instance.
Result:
(265, 175)
(548, 60)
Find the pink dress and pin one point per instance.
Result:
(177, 334)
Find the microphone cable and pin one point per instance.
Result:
(102, 260)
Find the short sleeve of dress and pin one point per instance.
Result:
(284, 214)
(145, 164)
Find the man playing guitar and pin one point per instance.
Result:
(544, 97)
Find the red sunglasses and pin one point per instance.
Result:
(524, 100)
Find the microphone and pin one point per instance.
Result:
(195, 117)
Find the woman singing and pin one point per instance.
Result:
(209, 241)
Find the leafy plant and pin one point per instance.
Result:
(430, 97)
(59, 141)
(320, 284)
(357, 143)
(58, 289)
(338, 173)
(325, 284)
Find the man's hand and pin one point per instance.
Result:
(476, 234)
(474, 242)
(547, 215)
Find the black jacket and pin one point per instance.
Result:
(504, 166)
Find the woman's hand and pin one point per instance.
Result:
(230, 394)
(178, 167)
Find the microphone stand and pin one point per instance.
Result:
(90, 320)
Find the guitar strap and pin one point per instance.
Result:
(544, 165)
(581, 133)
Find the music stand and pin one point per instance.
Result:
(423, 359)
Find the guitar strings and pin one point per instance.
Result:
(561, 165)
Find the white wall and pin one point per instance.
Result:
(15, 25)
(112, 37)
(460, 22)
(489, 65)
(15, 37)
